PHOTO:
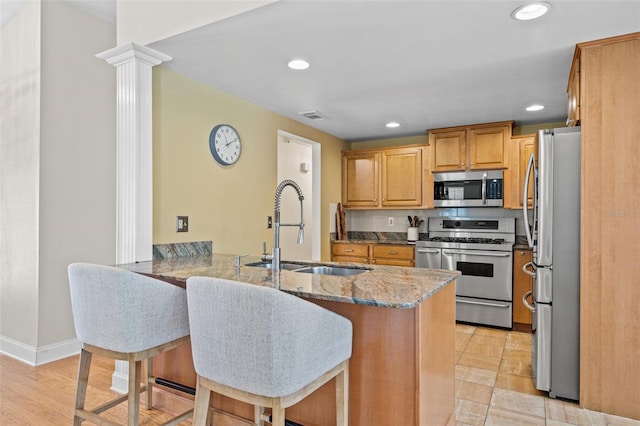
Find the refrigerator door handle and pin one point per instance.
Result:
(525, 303)
(531, 272)
(525, 197)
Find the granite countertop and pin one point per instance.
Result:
(386, 286)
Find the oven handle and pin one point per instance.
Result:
(525, 269)
(495, 305)
(525, 303)
(424, 250)
(478, 253)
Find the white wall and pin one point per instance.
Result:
(19, 174)
(57, 176)
(144, 22)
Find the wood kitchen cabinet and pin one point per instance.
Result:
(376, 254)
(476, 147)
(360, 179)
(573, 92)
(522, 283)
(520, 149)
(383, 178)
(394, 255)
(350, 252)
(610, 225)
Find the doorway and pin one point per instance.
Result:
(299, 160)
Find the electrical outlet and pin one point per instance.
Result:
(390, 220)
(182, 223)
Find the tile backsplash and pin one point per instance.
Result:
(378, 220)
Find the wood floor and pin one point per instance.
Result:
(493, 387)
(45, 395)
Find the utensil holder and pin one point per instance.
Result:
(412, 233)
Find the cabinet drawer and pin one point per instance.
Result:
(357, 250)
(393, 252)
(393, 262)
(352, 259)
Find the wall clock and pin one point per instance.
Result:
(225, 144)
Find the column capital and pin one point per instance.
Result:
(131, 51)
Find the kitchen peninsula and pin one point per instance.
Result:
(402, 370)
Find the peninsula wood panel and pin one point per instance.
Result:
(402, 369)
(610, 226)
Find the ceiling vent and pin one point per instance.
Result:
(312, 115)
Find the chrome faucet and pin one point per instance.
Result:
(275, 254)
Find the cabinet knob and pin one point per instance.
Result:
(521, 253)
(373, 261)
(462, 164)
(348, 250)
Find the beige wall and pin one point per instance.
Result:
(19, 162)
(57, 177)
(227, 205)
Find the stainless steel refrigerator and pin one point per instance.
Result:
(553, 232)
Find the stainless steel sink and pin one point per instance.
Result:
(332, 270)
(283, 265)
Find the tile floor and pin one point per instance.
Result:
(494, 385)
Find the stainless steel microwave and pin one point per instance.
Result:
(468, 189)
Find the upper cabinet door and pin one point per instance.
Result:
(449, 151)
(573, 92)
(401, 177)
(360, 179)
(487, 147)
(527, 146)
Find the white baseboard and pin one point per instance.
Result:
(38, 356)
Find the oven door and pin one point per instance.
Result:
(485, 274)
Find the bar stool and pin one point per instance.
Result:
(264, 347)
(124, 316)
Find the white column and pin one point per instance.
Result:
(134, 186)
(134, 161)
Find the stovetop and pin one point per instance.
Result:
(472, 234)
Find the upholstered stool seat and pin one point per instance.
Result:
(264, 347)
(124, 316)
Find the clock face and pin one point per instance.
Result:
(225, 144)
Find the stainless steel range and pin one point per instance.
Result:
(482, 249)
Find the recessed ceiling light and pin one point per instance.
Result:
(392, 124)
(531, 11)
(298, 64)
(534, 107)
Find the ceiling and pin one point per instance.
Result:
(425, 64)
